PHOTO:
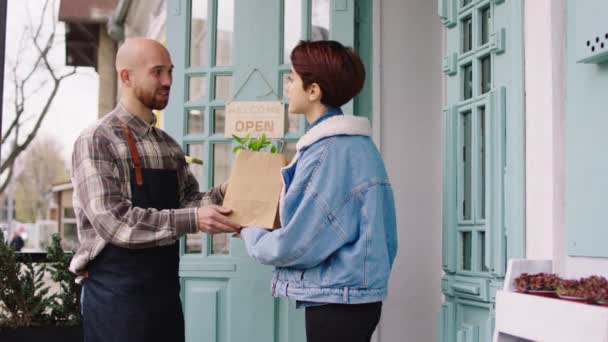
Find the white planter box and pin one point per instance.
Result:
(549, 320)
(524, 317)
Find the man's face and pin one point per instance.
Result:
(152, 81)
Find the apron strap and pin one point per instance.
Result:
(139, 178)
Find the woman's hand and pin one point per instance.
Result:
(223, 188)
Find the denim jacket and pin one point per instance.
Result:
(338, 238)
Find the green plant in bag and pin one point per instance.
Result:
(252, 144)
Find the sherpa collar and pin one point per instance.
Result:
(335, 125)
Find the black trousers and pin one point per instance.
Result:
(342, 322)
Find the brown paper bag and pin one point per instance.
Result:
(254, 188)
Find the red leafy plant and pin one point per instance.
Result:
(595, 289)
(537, 282)
(571, 288)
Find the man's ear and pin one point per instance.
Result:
(125, 77)
(314, 92)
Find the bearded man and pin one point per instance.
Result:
(134, 197)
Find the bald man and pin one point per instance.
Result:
(134, 197)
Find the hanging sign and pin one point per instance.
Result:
(255, 118)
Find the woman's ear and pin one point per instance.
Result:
(314, 92)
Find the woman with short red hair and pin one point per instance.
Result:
(338, 240)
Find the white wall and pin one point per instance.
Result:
(543, 153)
(545, 141)
(410, 97)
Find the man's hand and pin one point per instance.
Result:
(212, 219)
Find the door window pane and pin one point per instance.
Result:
(196, 121)
(467, 86)
(223, 87)
(221, 163)
(467, 34)
(466, 166)
(194, 243)
(221, 172)
(199, 55)
(486, 21)
(320, 20)
(482, 242)
(225, 32)
(220, 244)
(285, 85)
(465, 252)
(219, 120)
(197, 88)
(292, 27)
(486, 74)
(482, 162)
(196, 150)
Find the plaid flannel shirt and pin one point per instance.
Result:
(101, 164)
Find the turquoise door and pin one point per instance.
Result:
(483, 208)
(226, 50)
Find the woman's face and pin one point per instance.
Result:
(299, 99)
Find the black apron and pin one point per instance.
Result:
(132, 295)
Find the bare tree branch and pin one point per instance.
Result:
(38, 88)
(21, 147)
(43, 44)
(8, 179)
(18, 106)
(71, 73)
(41, 23)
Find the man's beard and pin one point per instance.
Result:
(149, 99)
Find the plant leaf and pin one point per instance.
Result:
(273, 149)
(258, 145)
(263, 140)
(255, 144)
(237, 139)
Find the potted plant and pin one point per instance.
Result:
(543, 284)
(28, 309)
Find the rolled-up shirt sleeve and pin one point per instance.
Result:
(96, 183)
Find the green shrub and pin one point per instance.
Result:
(25, 299)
